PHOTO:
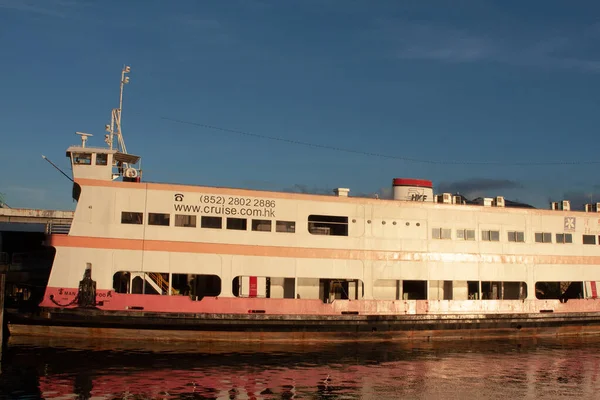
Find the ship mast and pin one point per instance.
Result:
(115, 120)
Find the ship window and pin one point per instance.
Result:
(441, 233)
(559, 290)
(514, 236)
(196, 286)
(82, 158)
(185, 220)
(564, 238)
(465, 234)
(490, 236)
(158, 219)
(261, 225)
(328, 225)
(211, 222)
(543, 237)
(285, 226)
(102, 159)
(239, 224)
(589, 239)
(128, 217)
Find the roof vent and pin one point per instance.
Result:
(499, 201)
(564, 205)
(445, 198)
(457, 200)
(341, 192)
(594, 207)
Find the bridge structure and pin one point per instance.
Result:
(25, 260)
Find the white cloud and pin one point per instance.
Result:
(428, 41)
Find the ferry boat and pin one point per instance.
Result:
(159, 260)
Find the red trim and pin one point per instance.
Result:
(412, 182)
(594, 290)
(253, 287)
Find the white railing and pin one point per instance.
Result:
(58, 228)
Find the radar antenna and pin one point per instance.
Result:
(115, 120)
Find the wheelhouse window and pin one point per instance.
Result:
(261, 225)
(490, 236)
(129, 217)
(158, 219)
(589, 239)
(564, 238)
(211, 222)
(82, 158)
(515, 236)
(285, 226)
(238, 224)
(328, 225)
(543, 237)
(188, 221)
(465, 234)
(101, 159)
(441, 233)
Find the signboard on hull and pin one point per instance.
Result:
(209, 204)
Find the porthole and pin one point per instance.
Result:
(408, 224)
(353, 220)
(418, 224)
(394, 223)
(368, 221)
(382, 222)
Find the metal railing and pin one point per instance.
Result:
(58, 228)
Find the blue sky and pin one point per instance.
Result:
(463, 81)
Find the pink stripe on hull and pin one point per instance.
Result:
(110, 301)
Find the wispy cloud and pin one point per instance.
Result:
(435, 42)
(53, 8)
(475, 187)
(25, 194)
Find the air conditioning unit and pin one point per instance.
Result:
(565, 205)
(457, 200)
(499, 201)
(487, 201)
(554, 205)
(445, 198)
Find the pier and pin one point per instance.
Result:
(25, 261)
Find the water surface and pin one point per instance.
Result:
(528, 369)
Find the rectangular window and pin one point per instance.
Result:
(490, 236)
(128, 217)
(564, 238)
(82, 158)
(185, 220)
(441, 233)
(543, 237)
(158, 219)
(589, 239)
(285, 226)
(328, 225)
(238, 224)
(515, 236)
(211, 222)
(261, 225)
(101, 159)
(465, 234)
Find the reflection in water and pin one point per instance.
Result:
(54, 369)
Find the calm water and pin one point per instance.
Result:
(529, 369)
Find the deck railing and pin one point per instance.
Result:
(58, 227)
